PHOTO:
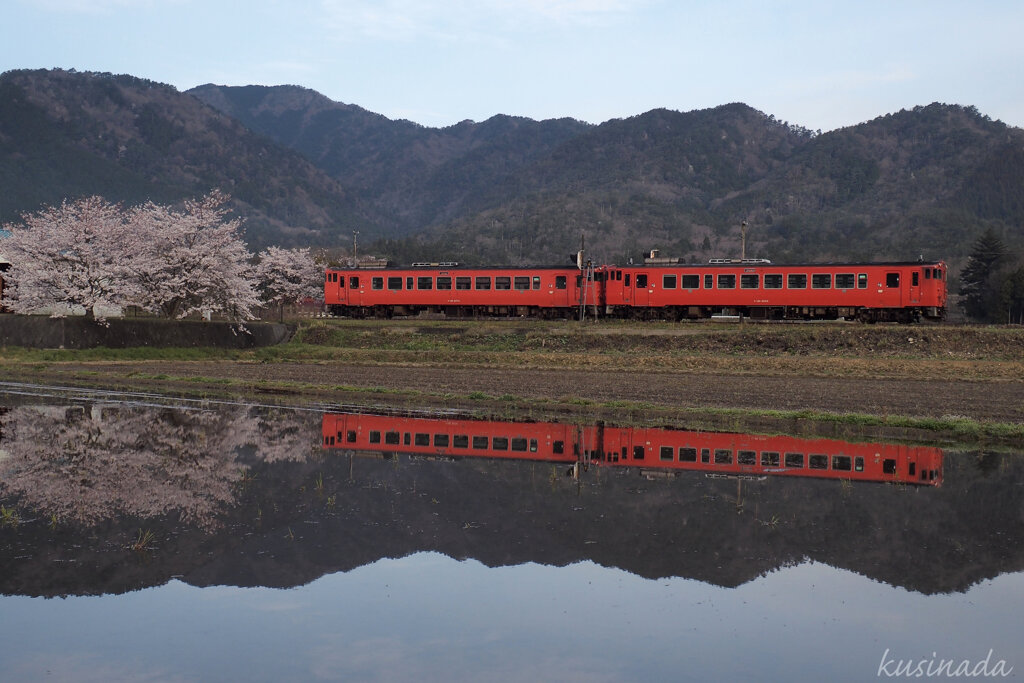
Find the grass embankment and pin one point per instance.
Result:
(841, 351)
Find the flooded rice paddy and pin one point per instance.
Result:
(144, 538)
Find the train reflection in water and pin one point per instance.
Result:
(647, 448)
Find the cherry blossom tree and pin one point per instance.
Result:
(91, 463)
(191, 261)
(68, 256)
(287, 276)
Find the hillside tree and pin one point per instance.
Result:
(980, 279)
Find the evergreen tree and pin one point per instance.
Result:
(979, 280)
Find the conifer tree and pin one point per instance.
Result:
(979, 280)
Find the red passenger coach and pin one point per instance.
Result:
(870, 292)
(548, 292)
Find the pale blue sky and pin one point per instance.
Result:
(822, 65)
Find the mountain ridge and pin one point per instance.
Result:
(306, 170)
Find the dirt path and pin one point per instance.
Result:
(1001, 401)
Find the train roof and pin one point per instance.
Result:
(430, 267)
(768, 264)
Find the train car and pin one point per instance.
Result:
(756, 455)
(869, 292)
(548, 442)
(546, 292)
(648, 449)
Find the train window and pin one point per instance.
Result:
(889, 466)
(668, 281)
(536, 281)
(441, 440)
(460, 441)
(794, 460)
(627, 279)
(666, 453)
(560, 282)
(858, 463)
(353, 282)
(558, 447)
(638, 451)
(503, 283)
(376, 283)
(727, 281)
(392, 438)
(519, 444)
(723, 456)
(500, 443)
(938, 273)
(844, 280)
(463, 283)
(687, 454)
(407, 439)
(927, 273)
(374, 437)
(914, 279)
(746, 457)
(533, 445)
(426, 282)
(421, 439)
(351, 436)
(394, 283)
(641, 279)
(522, 282)
(480, 443)
(821, 281)
(690, 282)
(796, 281)
(862, 280)
(817, 461)
(444, 283)
(483, 283)
(709, 281)
(841, 462)
(769, 459)
(892, 280)
(408, 282)
(705, 455)
(773, 281)
(750, 281)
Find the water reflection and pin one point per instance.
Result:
(652, 450)
(263, 496)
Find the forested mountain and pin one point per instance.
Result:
(308, 170)
(67, 134)
(920, 182)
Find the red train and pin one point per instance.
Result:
(645, 448)
(869, 292)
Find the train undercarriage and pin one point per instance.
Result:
(670, 313)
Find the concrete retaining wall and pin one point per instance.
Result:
(43, 332)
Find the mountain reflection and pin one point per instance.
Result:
(246, 495)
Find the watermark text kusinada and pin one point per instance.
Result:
(936, 666)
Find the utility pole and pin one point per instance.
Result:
(355, 253)
(743, 240)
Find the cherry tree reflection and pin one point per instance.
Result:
(95, 462)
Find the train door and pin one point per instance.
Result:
(893, 289)
(354, 285)
(915, 287)
(641, 288)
